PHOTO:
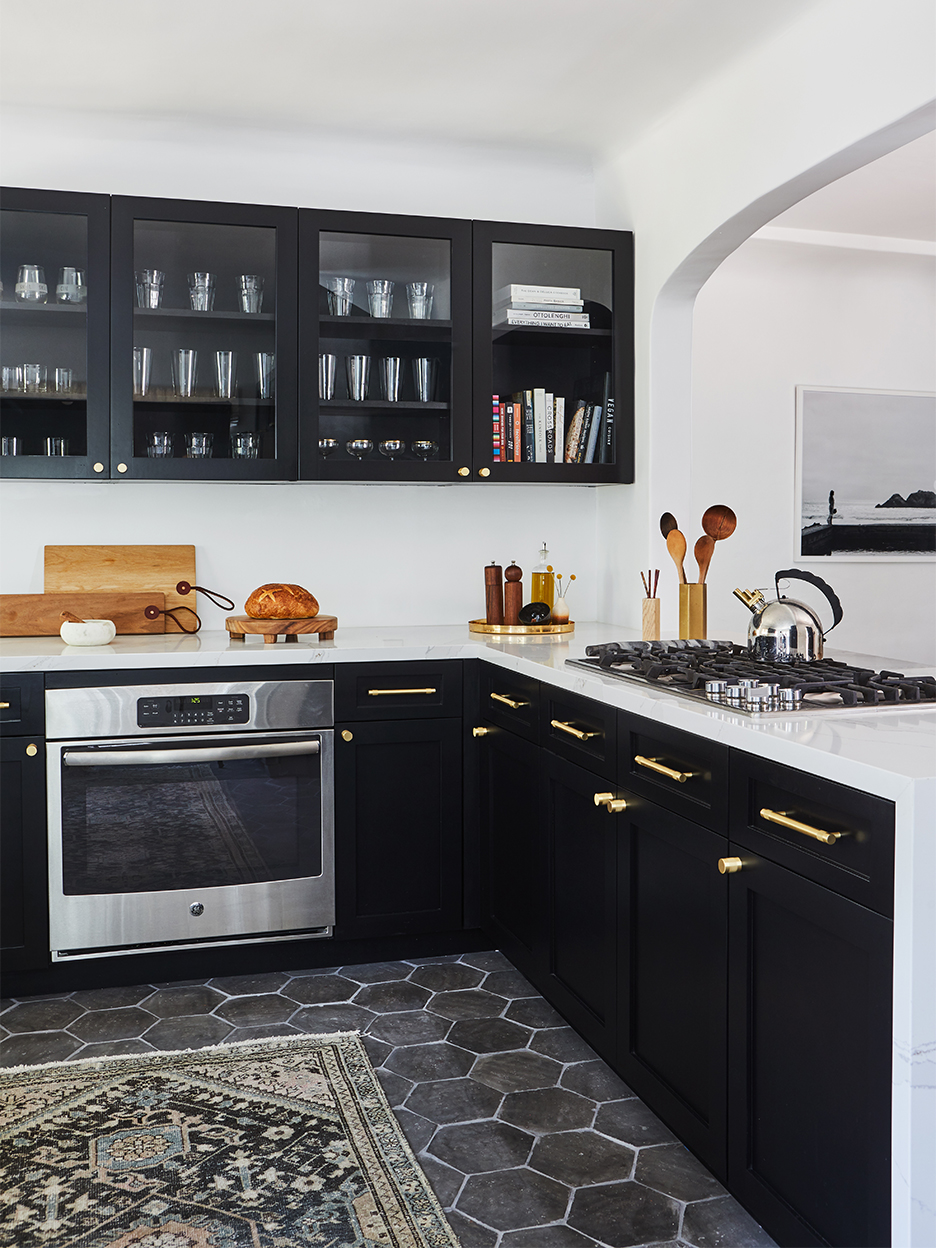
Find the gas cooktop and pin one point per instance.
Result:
(726, 674)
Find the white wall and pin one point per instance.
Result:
(370, 554)
(773, 316)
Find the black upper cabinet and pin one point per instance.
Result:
(553, 326)
(203, 340)
(54, 257)
(385, 358)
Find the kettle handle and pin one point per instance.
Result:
(797, 575)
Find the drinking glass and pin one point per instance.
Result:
(340, 295)
(31, 284)
(419, 295)
(71, 287)
(425, 448)
(389, 366)
(327, 446)
(35, 378)
(328, 365)
(225, 367)
(358, 370)
(202, 291)
(56, 446)
(424, 377)
(184, 366)
(149, 287)
(11, 446)
(359, 447)
(391, 447)
(198, 445)
(142, 364)
(159, 445)
(251, 292)
(64, 378)
(12, 378)
(265, 362)
(380, 297)
(245, 445)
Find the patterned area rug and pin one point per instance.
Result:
(265, 1144)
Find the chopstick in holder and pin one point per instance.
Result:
(656, 581)
(645, 585)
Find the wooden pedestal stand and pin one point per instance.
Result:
(240, 625)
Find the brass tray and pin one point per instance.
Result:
(520, 630)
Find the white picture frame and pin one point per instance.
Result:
(859, 444)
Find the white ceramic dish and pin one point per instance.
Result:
(88, 633)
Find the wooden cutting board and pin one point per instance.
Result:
(125, 570)
(40, 615)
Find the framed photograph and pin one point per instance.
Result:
(865, 475)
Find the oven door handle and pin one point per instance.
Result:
(219, 754)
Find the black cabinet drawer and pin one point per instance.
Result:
(510, 700)
(846, 838)
(22, 705)
(685, 773)
(398, 690)
(579, 729)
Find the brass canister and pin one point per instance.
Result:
(693, 612)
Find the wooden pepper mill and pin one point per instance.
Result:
(513, 594)
(494, 593)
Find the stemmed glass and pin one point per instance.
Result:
(425, 448)
(392, 447)
(327, 446)
(359, 447)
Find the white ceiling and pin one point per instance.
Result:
(584, 76)
(894, 197)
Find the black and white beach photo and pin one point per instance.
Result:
(866, 473)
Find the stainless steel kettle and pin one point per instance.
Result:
(787, 631)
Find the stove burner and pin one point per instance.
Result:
(722, 672)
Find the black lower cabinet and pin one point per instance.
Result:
(398, 827)
(809, 1059)
(672, 948)
(513, 851)
(24, 906)
(581, 840)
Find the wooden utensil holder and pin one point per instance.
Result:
(693, 612)
(650, 619)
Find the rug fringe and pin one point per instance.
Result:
(105, 1059)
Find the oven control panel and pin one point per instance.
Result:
(196, 708)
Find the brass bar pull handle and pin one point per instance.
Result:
(655, 765)
(502, 697)
(728, 866)
(784, 820)
(573, 732)
(613, 805)
(376, 693)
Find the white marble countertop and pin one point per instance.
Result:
(878, 751)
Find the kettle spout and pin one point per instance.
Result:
(753, 599)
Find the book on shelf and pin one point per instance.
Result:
(574, 436)
(539, 426)
(559, 430)
(541, 320)
(518, 432)
(519, 292)
(530, 428)
(496, 447)
(591, 442)
(605, 453)
(525, 306)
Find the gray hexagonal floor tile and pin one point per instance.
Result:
(520, 1070)
(595, 1080)
(547, 1109)
(238, 985)
(469, 1003)
(446, 1182)
(425, 1062)
(478, 1147)
(418, 1130)
(581, 1158)
(111, 998)
(509, 983)
(564, 1044)
(508, 1199)
(672, 1169)
(470, 1234)
(251, 1011)
(193, 1031)
(111, 1048)
(189, 999)
(396, 1088)
(446, 976)
(533, 1012)
(713, 1223)
(622, 1215)
(33, 1015)
(377, 972)
(38, 1047)
(558, 1236)
(633, 1123)
(118, 1024)
(411, 1027)
(393, 997)
(321, 1019)
(320, 989)
(488, 1035)
(453, 1100)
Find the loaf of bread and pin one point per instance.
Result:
(281, 602)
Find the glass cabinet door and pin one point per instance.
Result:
(553, 325)
(54, 249)
(385, 370)
(204, 341)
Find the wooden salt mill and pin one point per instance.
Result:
(493, 593)
(513, 594)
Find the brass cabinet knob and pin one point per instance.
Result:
(32, 750)
(98, 467)
(613, 805)
(464, 472)
(346, 735)
(484, 472)
(480, 732)
(728, 866)
(121, 467)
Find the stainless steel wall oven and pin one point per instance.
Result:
(187, 815)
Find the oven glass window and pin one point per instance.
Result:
(152, 828)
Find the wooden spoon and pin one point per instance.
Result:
(703, 554)
(676, 545)
(73, 619)
(667, 523)
(719, 522)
